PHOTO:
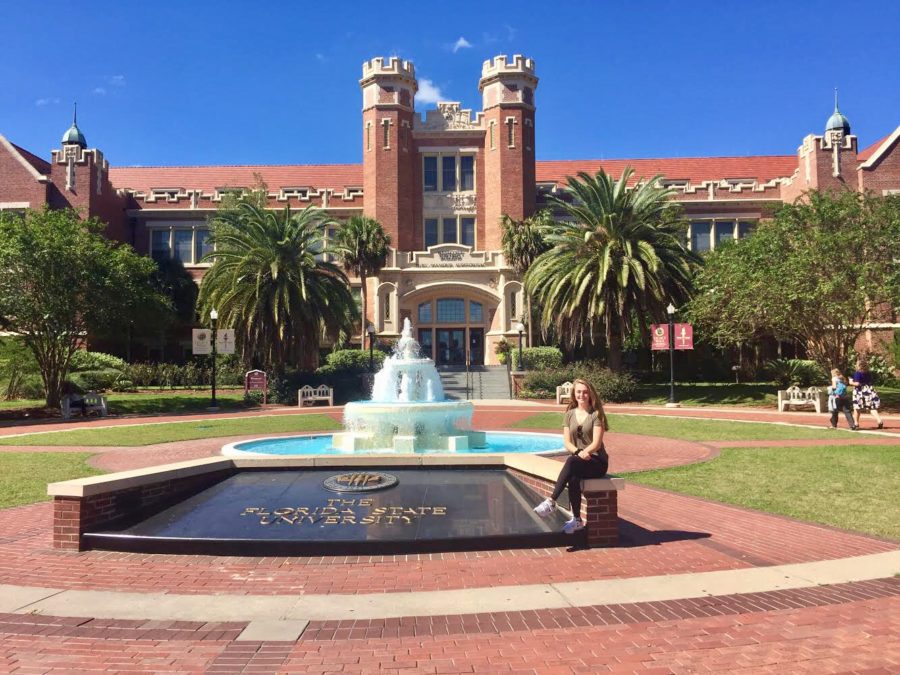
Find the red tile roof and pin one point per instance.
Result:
(696, 169)
(872, 149)
(208, 178)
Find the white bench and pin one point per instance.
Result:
(813, 396)
(90, 402)
(564, 393)
(307, 395)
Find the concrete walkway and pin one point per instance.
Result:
(696, 586)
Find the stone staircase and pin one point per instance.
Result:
(486, 382)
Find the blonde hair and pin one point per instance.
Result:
(594, 402)
(835, 372)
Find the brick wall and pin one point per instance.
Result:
(885, 175)
(73, 516)
(17, 183)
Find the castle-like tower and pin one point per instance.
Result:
(388, 89)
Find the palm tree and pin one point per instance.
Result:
(361, 246)
(523, 242)
(617, 260)
(270, 284)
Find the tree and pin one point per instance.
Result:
(361, 246)
(822, 269)
(270, 283)
(523, 242)
(61, 280)
(618, 259)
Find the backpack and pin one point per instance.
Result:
(840, 389)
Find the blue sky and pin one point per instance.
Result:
(190, 83)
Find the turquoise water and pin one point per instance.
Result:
(504, 443)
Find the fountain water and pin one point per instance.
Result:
(408, 411)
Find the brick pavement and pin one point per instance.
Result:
(663, 534)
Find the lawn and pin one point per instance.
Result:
(154, 402)
(692, 429)
(853, 487)
(166, 432)
(760, 394)
(24, 476)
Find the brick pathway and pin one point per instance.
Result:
(841, 628)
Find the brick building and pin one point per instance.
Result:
(439, 185)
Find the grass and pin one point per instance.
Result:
(690, 430)
(762, 394)
(148, 403)
(851, 487)
(24, 476)
(150, 434)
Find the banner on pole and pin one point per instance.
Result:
(201, 341)
(225, 341)
(659, 333)
(684, 336)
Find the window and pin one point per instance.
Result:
(448, 173)
(183, 243)
(476, 312)
(430, 174)
(449, 231)
(386, 132)
(700, 236)
(425, 312)
(467, 226)
(431, 232)
(368, 135)
(202, 247)
(451, 310)
(387, 307)
(491, 128)
(511, 132)
(467, 172)
(744, 228)
(512, 306)
(724, 231)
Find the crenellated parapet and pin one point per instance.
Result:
(388, 82)
(508, 82)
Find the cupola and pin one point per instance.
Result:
(74, 136)
(837, 121)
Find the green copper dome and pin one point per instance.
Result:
(74, 135)
(837, 122)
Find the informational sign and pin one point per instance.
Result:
(201, 341)
(684, 336)
(256, 380)
(659, 333)
(225, 341)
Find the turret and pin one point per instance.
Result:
(507, 87)
(389, 88)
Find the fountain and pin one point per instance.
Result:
(407, 411)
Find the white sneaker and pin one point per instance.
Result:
(573, 525)
(545, 508)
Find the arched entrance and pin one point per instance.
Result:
(451, 323)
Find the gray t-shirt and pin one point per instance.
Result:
(581, 434)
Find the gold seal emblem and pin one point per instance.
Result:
(360, 481)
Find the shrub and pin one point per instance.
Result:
(611, 386)
(347, 386)
(537, 358)
(84, 360)
(347, 361)
(96, 380)
(799, 372)
(31, 386)
(253, 398)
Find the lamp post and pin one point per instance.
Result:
(370, 329)
(671, 310)
(213, 317)
(520, 329)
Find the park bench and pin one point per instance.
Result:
(90, 402)
(815, 397)
(564, 393)
(308, 395)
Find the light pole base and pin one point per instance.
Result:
(673, 405)
(213, 408)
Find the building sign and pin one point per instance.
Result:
(659, 333)
(451, 256)
(684, 336)
(256, 380)
(344, 512)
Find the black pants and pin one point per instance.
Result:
(842, 403)
(574, 470)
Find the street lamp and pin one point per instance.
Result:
(213, 317)
(519, 328)
(370, 329)
(671, 310)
